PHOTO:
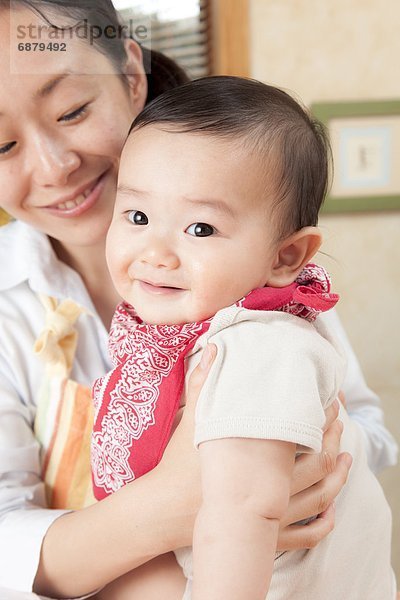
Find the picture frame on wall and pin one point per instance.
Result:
(365, 141)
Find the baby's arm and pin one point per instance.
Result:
(161, 577)
(245, 487)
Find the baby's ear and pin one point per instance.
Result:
(293, 254)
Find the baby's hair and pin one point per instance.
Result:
(292, 145)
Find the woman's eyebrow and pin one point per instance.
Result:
(50, 85)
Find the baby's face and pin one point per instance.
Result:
(191, 231)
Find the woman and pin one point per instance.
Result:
(64, 119)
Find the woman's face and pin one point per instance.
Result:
(63, 122)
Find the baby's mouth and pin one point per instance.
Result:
(159, 288)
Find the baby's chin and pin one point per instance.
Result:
(194, 314)
(169, 321)
(149, 318)
(181, 319)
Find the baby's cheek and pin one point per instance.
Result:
(209, 301)
(119, 268)
(117, 250)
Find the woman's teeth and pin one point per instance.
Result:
(73, 203)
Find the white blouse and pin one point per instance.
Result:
(29, 266)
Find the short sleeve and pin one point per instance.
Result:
(271, 379)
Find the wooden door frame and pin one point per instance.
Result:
(230, 39)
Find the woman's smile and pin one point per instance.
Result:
(61, 152)
(79, 202)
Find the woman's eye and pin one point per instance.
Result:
(7, 148)
(137, 217)
(200, 229)
(74, 114)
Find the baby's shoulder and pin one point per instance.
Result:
(260, 323)
(274, 333)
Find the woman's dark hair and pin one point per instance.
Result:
(291, 144)
(162, 72)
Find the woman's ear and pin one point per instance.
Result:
(293, 254)
(135, 74)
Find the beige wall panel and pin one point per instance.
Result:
(327, 49)
(348, 50)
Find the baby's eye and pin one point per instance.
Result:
(200, 229)
(137, 217)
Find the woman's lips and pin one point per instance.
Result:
(158, 289)
(82, 202)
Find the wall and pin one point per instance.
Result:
(348, 50)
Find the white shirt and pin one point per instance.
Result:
(273, 376)
(29, 266)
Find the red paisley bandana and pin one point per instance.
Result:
(136, 403)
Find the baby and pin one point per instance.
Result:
(214, 226)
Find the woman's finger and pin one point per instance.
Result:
(180, 453)
(311, 468)
(298, 537)
(342, 398)
(199, 374)
(331, 414)
(317, 498)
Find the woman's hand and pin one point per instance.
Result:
(181, 460)
(317, 480)
(147, 517)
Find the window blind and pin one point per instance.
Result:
(178, 28)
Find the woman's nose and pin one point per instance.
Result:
(52, 163)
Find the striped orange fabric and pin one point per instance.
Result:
(64, 415)
(66, 467)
